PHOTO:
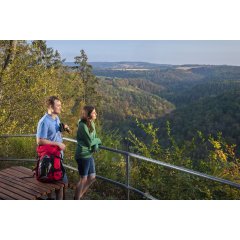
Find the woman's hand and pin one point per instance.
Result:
(95, 148)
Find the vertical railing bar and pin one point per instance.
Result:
(127, 175)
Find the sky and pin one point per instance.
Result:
(214, 52)
(124, 19)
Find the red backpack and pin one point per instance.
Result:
(49, 163)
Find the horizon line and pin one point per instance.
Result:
(171, 64)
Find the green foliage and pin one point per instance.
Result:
(124, 100)
(152, 148)
(89, 95)
(18, 147)
(25, 83)
(187, 99)
(204, 98)
(219, 160)
(109, 164)
(29, 73)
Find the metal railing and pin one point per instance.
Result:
(127, 155)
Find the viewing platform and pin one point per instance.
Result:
(17, 182)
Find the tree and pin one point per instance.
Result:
(218, 160)
(27, 78)
(89, 80)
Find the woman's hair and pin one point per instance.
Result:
(86, 116)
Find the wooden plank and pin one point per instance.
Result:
(12, 178)
(18, 174)
(23, 184)
(23, 188)
(29, 171)
(5, 197)
(15, 185)
(11, 194)
(33, 182)
(17, 191)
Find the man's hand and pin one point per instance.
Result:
(62, 146)
(66, 127)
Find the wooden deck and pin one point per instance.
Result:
(15, 186)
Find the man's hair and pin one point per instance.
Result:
(50, 101)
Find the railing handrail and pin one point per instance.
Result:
(18, 135)
(129, 154)
(127, 186)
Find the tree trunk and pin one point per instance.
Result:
(10, 54)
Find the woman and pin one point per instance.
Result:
(87, 143)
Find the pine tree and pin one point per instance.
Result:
(89, 80)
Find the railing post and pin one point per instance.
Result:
(127, 175)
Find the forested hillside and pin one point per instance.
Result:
(125, 100)
(205, 97)
(184, 115)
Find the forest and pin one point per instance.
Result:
(184, 115)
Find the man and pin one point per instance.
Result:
(48, 131)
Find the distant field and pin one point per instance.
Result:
(131, 69)
(187, 68)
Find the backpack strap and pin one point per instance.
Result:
(52, 161)
(29, 176)
(35, 169)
